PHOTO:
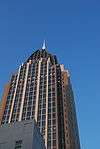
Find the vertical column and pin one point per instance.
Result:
(51, 116)
(23, 94)
(37, 90)
(46, 127)
(57, 143)
(56, 110)
(65, 106)
(14, 95)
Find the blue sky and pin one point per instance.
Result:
(72, 31)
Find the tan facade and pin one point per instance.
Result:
(3, 101)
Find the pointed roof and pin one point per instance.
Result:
(44, 45)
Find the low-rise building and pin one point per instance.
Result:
(21, 135)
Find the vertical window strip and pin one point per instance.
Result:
(23, 94)
(14, 95)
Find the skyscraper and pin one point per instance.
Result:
(41, 90)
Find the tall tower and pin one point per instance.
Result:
(41, 90)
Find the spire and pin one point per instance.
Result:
(44, 45)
